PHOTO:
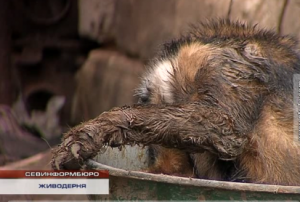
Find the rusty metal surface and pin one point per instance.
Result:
(135, 185)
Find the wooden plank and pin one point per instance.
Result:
(267, 14)
(6, 85)
(290, 22)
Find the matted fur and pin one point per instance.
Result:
(220, 98)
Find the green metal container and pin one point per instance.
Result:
(137, 185)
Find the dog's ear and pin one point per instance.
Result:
(252, 50)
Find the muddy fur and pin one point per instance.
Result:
(214, 104)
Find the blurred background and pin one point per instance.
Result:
(66, 61)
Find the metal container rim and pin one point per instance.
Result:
(232, 186)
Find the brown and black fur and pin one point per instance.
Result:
(215, 104)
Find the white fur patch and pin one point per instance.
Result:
(160, 80)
